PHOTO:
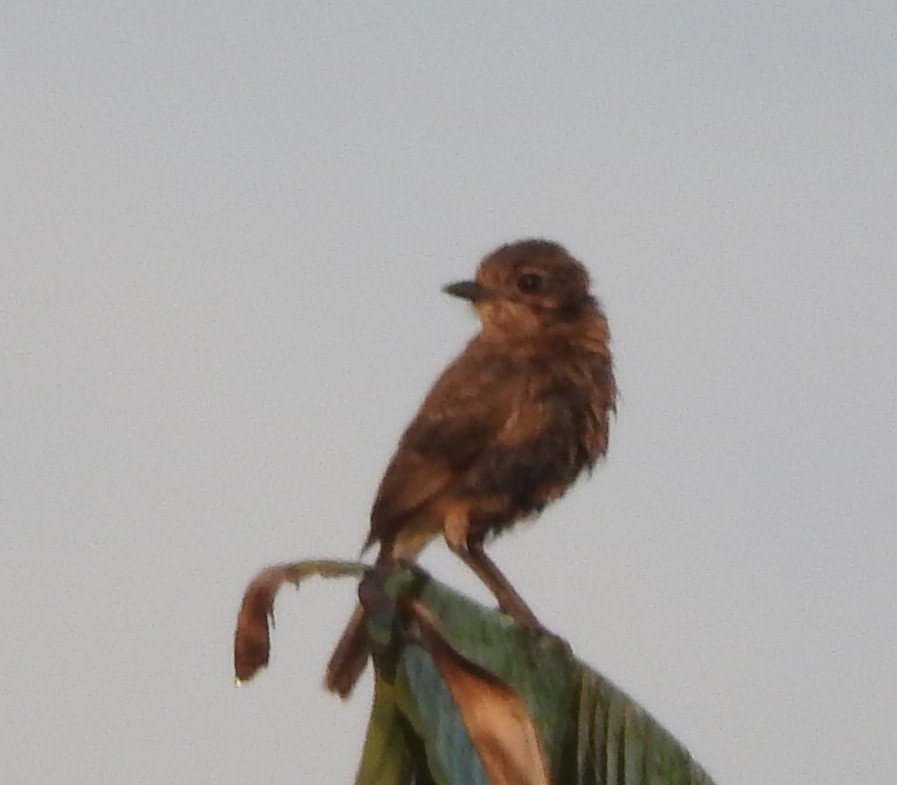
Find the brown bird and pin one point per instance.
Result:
(505, 430)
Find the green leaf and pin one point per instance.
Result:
(590, 731)
(387, 756)
(465, 696)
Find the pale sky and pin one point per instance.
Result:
(225, 228)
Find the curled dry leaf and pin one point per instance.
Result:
(496, 718)
(252, 638)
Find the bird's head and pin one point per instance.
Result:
(529, 290)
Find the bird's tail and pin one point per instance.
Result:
(349, 657)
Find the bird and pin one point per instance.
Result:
(506, 429)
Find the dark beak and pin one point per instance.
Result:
(467, 290)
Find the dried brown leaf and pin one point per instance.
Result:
(496, 718)
(252, 638)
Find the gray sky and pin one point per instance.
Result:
(224, 230)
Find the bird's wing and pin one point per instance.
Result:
(457, 421)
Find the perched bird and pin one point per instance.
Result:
(505, 430)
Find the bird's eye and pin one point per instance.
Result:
(528, 283)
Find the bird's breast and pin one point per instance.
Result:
(553, 429)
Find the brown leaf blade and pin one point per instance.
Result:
(252, 637)
(496, 718)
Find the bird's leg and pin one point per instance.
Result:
(470, 550)
(509, 600)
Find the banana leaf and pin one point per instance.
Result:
(465, 696)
